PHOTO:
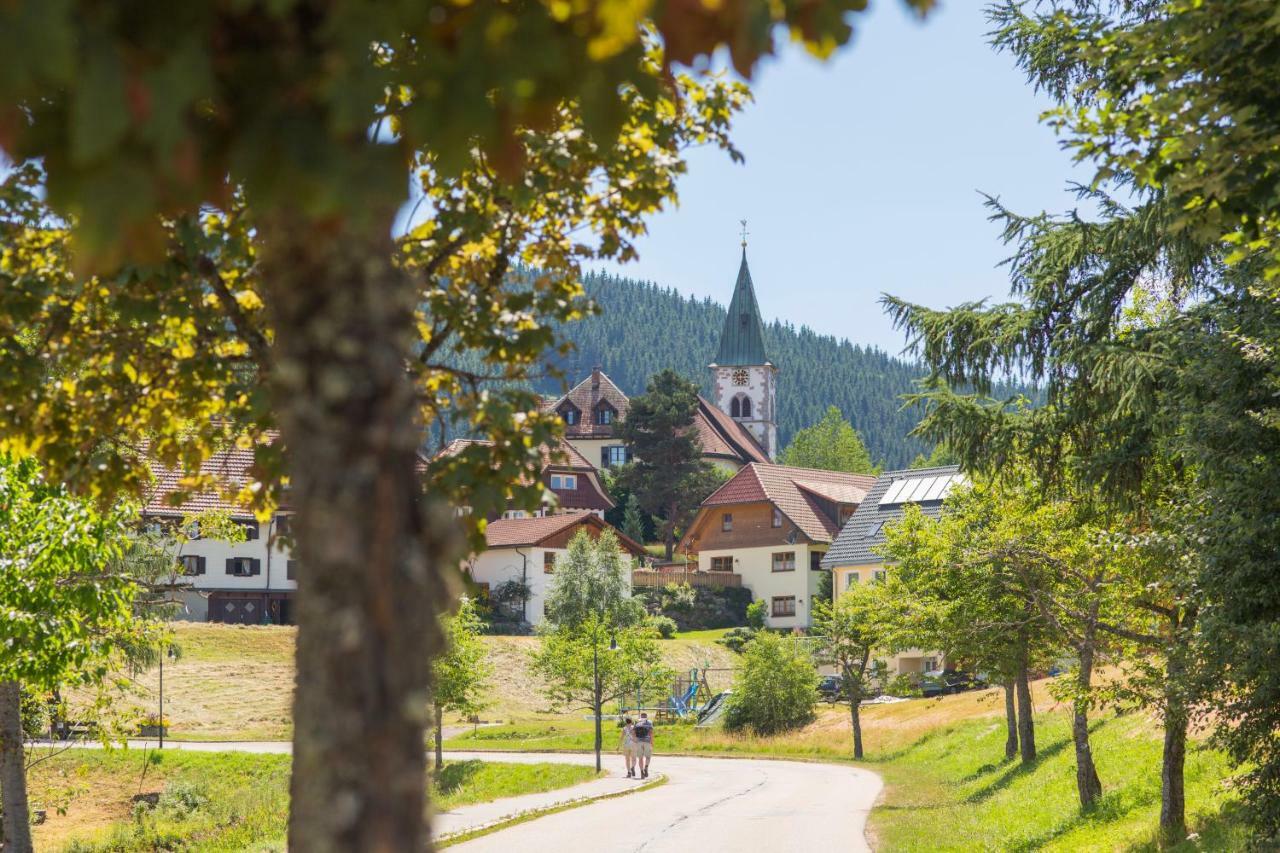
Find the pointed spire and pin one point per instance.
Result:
(742, 341)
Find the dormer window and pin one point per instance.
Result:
(566, 482)
(604, 414)
(570, 414)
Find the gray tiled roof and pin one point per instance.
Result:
(863, 533)
(742, 341)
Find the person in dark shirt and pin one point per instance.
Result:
(644, 743)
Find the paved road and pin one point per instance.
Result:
(708, 805)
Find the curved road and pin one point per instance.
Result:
(707, 804)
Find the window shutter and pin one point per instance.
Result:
(199, 565)
(231, 565)
(251, 532)
(255, 566)
(604, 457)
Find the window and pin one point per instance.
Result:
(290, 568)
(722, 564)
(548, 562)
(746, 407)
(604, 414)
(851, 580)
(243, 567)
(815, 560)
(250, 530)
(784, 561)
(515, 513)
(726, 522)
(284, 524)
(777, 518)
(880, 574)
(570, 415)
(192, 565)
(614, 454)
(735, 408)
(566, 482)
(846, 512)
(784, 605)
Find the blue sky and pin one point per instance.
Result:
(862, 176)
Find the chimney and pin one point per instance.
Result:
(595, 378)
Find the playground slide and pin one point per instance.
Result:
(713, 710)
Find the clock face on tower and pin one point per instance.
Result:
(740, 377)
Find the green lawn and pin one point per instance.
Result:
(220, 801)
(708, 635)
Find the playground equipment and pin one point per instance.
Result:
(713, 710)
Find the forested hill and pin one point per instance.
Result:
(643, 328)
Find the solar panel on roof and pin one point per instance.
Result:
(937, 489)
(892, 493)
(917, 490)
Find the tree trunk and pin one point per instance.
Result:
(439, 738)
(854, 684)
(13, 772)
(1011, 723)
(1088, 785)
(1026, 725)
(1173, 805)
(370, 548)
(856, 717)
(669, 534)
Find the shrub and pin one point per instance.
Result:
(755, 614)
(902, 686)
(665, 626)
(181, 799)
(736, 640)
(678, 597)
(776, 687)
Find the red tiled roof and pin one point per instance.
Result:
(585, 397)
(231, 467)
(528, 532)
(721, 435)
(793, 491)
(570, 458)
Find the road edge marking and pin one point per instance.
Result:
(533, 814)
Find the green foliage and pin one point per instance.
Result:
(627, 660)
(775, 689)
(664, 625)
(669, 478)
(678, 596)
(592, 580)
(938, 457)
(634, 520)
(831, 444)
(756, 613)
(737, 639)
(460, 674)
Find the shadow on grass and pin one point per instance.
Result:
(1225, 830)
(454, 774)
(1016, 772)
(1109, 808)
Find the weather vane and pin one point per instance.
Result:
(744, 232)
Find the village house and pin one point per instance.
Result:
(526, 549)
(855, 557)
(772, 526)
(250, 582)
(571, 483)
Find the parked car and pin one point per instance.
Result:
(831, 689)
(940, 683)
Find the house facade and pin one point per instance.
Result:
(570, 482)
(855, 556)
(526, 550)
(772, 525)
(250, 582)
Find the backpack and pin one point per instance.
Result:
(644, 731)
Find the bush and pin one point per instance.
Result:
(902, 686)
(679, 597)
(698, 608)
(755, 614)
(665, 626)
(182, 799)
(776, 689)
(736, 640)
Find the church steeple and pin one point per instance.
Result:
(742, 341)
(743, 380)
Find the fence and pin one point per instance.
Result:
(680, 575)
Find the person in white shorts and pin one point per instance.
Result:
(644, 743)
(629, 746)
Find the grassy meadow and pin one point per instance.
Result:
(135, 800)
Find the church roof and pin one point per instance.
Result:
(742, 341)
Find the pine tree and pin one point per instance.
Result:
(633, 519)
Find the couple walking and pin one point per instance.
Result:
(637, 745)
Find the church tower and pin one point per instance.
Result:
(744, 382)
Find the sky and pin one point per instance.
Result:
(863, 176)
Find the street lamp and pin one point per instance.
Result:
(595, 682)
(171, 653)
